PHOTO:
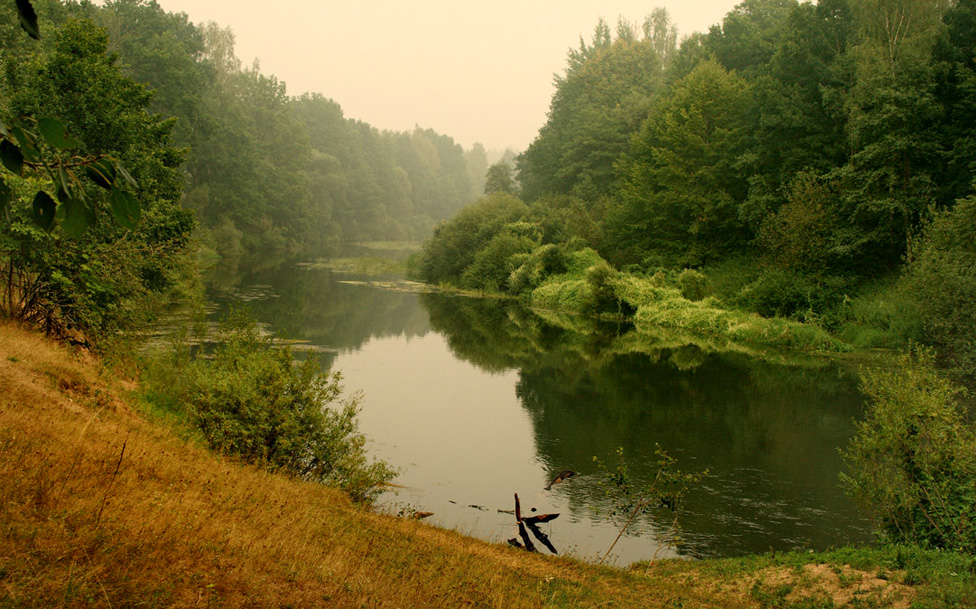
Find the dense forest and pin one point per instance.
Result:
(220, 164)
(810, 161)
(264, 171)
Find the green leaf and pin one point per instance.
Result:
(125, 208)
(55, 134)
(28, 19)
(102, 173)
(11, 157)
(76, 219)
(128, 178)
(64, 182)
(42, 211)
(27, 146)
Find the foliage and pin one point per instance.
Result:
(630, 500)
(98, 281)
(499, 178)
(598, 104)
(493, 264)
(693, 284)
(252, 401)
(777, 293)
(797, 237)
(455, 244)
(913, 459)
(683, 179)
(940, 280)
(601, 296)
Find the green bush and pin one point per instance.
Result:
(941, 281)
(912, 462)
(779, 293)
(252, 401)
(495, 262)
(693, 284)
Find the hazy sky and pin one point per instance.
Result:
(479, 72)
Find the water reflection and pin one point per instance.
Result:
(768, 433)
(324, 308)
(478, 398)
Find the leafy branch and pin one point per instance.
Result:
(630, 500)
(43, 149)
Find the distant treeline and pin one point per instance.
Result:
(267, 172)
(797, 153)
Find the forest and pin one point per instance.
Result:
(805, 161)
(225, 165)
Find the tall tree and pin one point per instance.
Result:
(599, 103)
(684, 179)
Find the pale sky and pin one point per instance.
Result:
(478, 72)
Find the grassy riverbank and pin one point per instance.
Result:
(103, 507)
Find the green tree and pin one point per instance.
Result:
(455, 244)
(98, 281)
(940, 279)
(499, 179)
(911, 462)
(684, 178)
(599, 103)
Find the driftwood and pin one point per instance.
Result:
(530, 524)
(526, 540)
(541, 518)
(542, 537)
(563, 475)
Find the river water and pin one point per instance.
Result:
(475, 400)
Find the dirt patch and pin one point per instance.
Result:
(829, 585)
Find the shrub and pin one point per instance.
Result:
(692, 284)
(251, 401)
(912, 461)
(779, 293)
(941, 281)
(797, 237)
(494, 263)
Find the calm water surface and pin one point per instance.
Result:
(475, 400)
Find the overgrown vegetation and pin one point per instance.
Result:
(913, 459)
(250, 400)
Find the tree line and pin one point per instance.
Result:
(812, 160)
(195, 152)
(267, 172)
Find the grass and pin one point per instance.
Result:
(100, 506)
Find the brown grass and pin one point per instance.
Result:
(100, 508)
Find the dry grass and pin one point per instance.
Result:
(100, 508)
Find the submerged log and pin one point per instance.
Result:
(563, 475)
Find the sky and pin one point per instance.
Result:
(476, 71)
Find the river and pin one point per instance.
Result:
(474, 400)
